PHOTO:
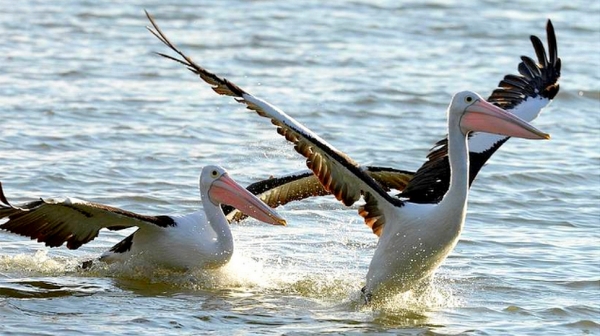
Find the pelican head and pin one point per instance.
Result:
(222, 189)
(475, 114)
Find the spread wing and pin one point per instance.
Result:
(337, 172)
(525, 95)
(69, 220)
(276, 191)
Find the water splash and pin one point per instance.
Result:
(37, 264)
(332, 287)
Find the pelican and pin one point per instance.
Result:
(524, 95)
(414, 238)
(201, 239)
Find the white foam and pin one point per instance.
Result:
(331, 287)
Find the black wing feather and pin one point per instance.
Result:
(431, 181)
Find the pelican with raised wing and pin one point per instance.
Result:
(525, 95)
(201, 239)
(414, 238)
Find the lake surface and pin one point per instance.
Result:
(88, 110)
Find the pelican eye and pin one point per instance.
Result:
(469, 99)
(214, 173)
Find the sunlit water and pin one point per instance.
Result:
(88, 110)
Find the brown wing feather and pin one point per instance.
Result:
(390, 178)
(324, 160)
(321, 168)
(75, 222)
(372, 214)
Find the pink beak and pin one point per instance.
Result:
(225, 190)
(482, 116)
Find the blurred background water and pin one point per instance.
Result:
(87, 110)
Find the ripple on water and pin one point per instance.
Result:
(47, 288)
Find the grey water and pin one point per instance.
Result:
(88, 110)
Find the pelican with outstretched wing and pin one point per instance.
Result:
(201, 239)
(524, 95)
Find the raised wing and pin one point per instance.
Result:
(276, 191)
(76, 222)
(337, 172)
(525, 95)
